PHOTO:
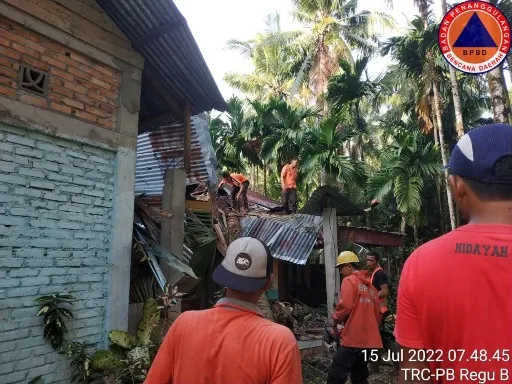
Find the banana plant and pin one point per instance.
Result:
(129, 350)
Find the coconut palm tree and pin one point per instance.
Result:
(334, 29)
(274, 60)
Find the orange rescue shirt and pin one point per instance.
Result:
(238, 177)
(289, 176)
(454, 297)
(358, 301)
(230, 343)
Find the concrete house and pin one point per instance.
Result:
(79, 81)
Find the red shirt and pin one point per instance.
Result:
(358, 301)
(230, 343)
(454, 295)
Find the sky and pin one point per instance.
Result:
(214, 22)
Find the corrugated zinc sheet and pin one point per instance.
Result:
(290, 238)
(162, 149)
(261, 200)
(161, 35)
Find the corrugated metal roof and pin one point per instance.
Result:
(261, 200)
(161, 35)
(290, 238)
(329, 197)
(163, 148)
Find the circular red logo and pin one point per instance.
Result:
(474, 37)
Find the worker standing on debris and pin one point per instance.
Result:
(232, 342)
(289, 175)
(454, 291)
(359, 310)
(240, 186)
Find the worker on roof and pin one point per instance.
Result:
(240, 185)
(358, 309)
(379, 280)
(454, 291)
(231, 342)
(289, 175)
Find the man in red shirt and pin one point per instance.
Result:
(232, 342)
(454, 311)
(359, 310)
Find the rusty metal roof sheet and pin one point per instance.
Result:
(263, 201)
(163, 148)
(173, 61)
(329, 197)
(290, 238)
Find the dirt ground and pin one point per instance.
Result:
(314, 371)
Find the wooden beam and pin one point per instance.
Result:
(331, 253)
(199, 205)
(188, 139)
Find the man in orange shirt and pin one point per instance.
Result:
(232, 342)
(359, 310)
(289, 175)
(454, 292)
(240, 186)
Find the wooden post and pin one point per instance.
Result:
(187, 145)
(172, 233)
(330, 232)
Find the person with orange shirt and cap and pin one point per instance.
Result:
(453, 299)
(289, 175)
(231, 342)
(240, 186)
(359, 310)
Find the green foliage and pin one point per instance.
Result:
(130, 356)
(81, 361)
(53, 311)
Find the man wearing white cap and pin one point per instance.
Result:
(231, 342)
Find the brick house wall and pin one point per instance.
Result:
(79, 86)
(67, 170)
(55, 216)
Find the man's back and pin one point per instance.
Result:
(228, 343)
(454, 296)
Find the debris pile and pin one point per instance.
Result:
(305, 322)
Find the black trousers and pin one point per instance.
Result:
(349, 362)
(243, 195)
(289, 199)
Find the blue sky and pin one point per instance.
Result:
(214, 22)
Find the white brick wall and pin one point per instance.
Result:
(55, 224)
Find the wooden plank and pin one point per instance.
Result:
(199, 205)
(188, 140)
(222, 245)
(172, 230)
(62, 18)
(330, 252)
(93, 12)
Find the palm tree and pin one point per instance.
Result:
(274, 60)
(414, 53)
(406, 165)
(321, 153)
(335, 28)
(286, 126)
(231, 137)
(459, 124)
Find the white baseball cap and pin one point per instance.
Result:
(246, 267)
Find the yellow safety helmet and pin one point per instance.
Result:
(346, 257)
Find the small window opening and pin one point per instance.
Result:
(34, 80)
